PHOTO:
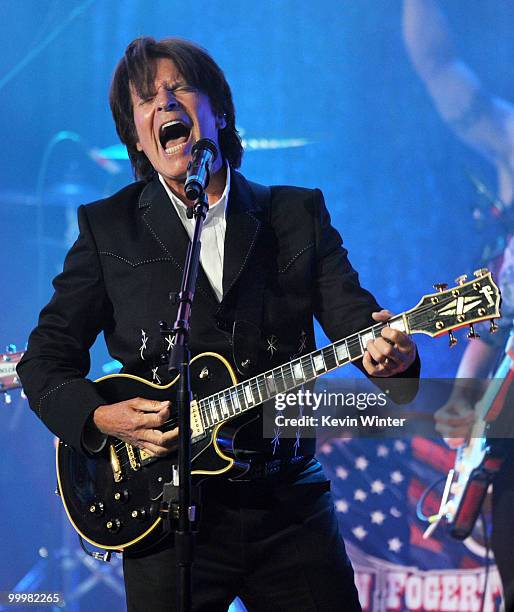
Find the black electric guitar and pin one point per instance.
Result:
(113, 499)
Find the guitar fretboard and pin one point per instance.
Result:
(230, 402)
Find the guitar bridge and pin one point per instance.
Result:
(115, 464)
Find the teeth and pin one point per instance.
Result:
(174, 122)
(174, 149)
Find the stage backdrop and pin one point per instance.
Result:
(326, 97)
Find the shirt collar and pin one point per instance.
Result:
(217, 209)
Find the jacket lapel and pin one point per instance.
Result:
(165, 227)
(242, 230)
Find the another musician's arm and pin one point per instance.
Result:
(481, 120)
(455, 419)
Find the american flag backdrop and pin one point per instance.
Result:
(376, 485)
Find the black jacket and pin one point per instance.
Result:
(128, 257)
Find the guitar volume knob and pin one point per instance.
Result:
(139, 514)
(97, 508)
(120, 497)
(113, 525)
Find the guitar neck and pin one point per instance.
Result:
(252, 392)
(470, 302)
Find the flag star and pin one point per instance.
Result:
(382, 451)
(325, 449)
(394, 544)
(361, 463)
(399, 446)
(342, 505)
(359, 532)
(396, 477)
(360, 495)
(395, 512)
(377, 486)
(377, 517)
(341, 473)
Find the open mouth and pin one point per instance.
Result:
(172, 134)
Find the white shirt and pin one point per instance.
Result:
(213, 234)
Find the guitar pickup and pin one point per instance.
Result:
(133, 459)
(197, 428)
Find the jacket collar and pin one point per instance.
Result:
(243, 227)
(241, 232)
(165, 227)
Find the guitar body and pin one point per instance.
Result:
(113, 497)
(474, 473)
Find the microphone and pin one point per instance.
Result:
(203, 155)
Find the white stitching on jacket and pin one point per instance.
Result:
(294, 257)
(137, 263)
(40, 401)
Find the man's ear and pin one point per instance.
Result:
(221, 121)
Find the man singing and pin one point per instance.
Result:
(270, 262)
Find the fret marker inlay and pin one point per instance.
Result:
(319, 362)
(341, 352)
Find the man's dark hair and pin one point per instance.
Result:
(137, 68)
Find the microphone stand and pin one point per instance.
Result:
(179, 362)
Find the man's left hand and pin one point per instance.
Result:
(390, 354)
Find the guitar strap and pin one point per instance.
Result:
(246, 333)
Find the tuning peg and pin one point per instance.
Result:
(460, 280)
(493, 328)
(440, 286)
(453, 339)
(472, 333)
(480, 272)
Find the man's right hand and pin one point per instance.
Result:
(137, 421)
(455, 420)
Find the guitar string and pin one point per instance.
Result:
(352, 342)
(254, 383)
(286, 370)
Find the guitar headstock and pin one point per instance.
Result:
(466, 303)
(8, 378)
